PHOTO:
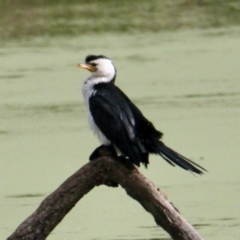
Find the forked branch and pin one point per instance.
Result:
(107, 170)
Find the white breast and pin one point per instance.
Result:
(88, 91)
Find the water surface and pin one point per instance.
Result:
(186, 82)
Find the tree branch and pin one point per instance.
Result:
(106, 170)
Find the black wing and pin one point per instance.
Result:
(115, 116)
(126, 127)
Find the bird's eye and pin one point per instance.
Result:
(93, 64)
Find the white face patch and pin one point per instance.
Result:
(105, 68)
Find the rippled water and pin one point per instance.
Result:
(187, 83)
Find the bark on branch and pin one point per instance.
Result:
(107, 170)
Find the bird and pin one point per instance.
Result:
(119, 123)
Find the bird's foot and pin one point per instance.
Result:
(102, 151)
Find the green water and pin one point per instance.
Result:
(187, 83)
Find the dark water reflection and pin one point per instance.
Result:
(27, 195)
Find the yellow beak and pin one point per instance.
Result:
(88, 67)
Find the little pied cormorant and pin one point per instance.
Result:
(116, 121)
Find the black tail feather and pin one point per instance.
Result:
(173, 158)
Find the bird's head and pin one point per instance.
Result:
(100, 66)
